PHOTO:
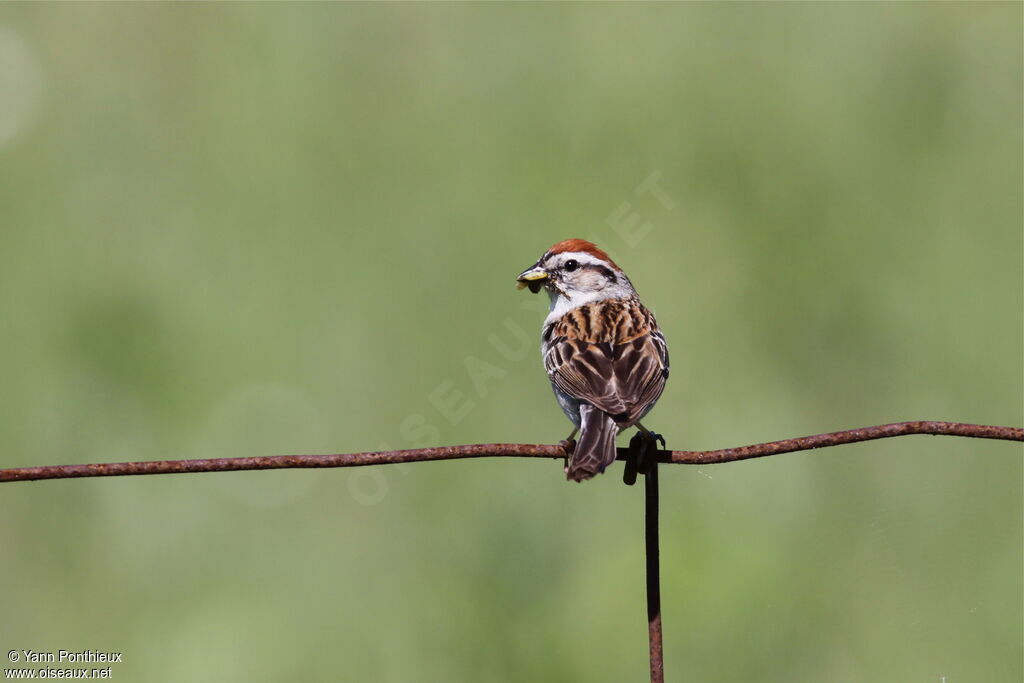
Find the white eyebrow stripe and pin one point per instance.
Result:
(582, 257)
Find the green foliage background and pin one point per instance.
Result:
(255, 229)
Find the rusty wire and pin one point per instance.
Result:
(273, 462)
(724, 455)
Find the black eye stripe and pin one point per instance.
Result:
(609, 273)
(605, 271)
(573, 265)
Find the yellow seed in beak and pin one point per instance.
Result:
(532, 279)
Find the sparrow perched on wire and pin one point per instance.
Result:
(603, 351)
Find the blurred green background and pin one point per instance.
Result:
(254, 229)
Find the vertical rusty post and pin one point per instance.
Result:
(653, 574)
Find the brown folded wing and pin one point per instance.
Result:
(622, 377)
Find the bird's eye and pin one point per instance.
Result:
(571, 265)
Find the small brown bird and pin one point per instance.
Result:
(603, 351)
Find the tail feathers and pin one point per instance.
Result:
(596, 448)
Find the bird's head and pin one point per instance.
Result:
(577, 271)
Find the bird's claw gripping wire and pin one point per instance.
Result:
(567, 445)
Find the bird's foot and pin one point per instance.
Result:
(567, 445)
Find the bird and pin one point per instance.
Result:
(603, 351)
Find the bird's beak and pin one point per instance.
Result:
(533, 278)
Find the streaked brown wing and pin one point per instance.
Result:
(622, 380)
